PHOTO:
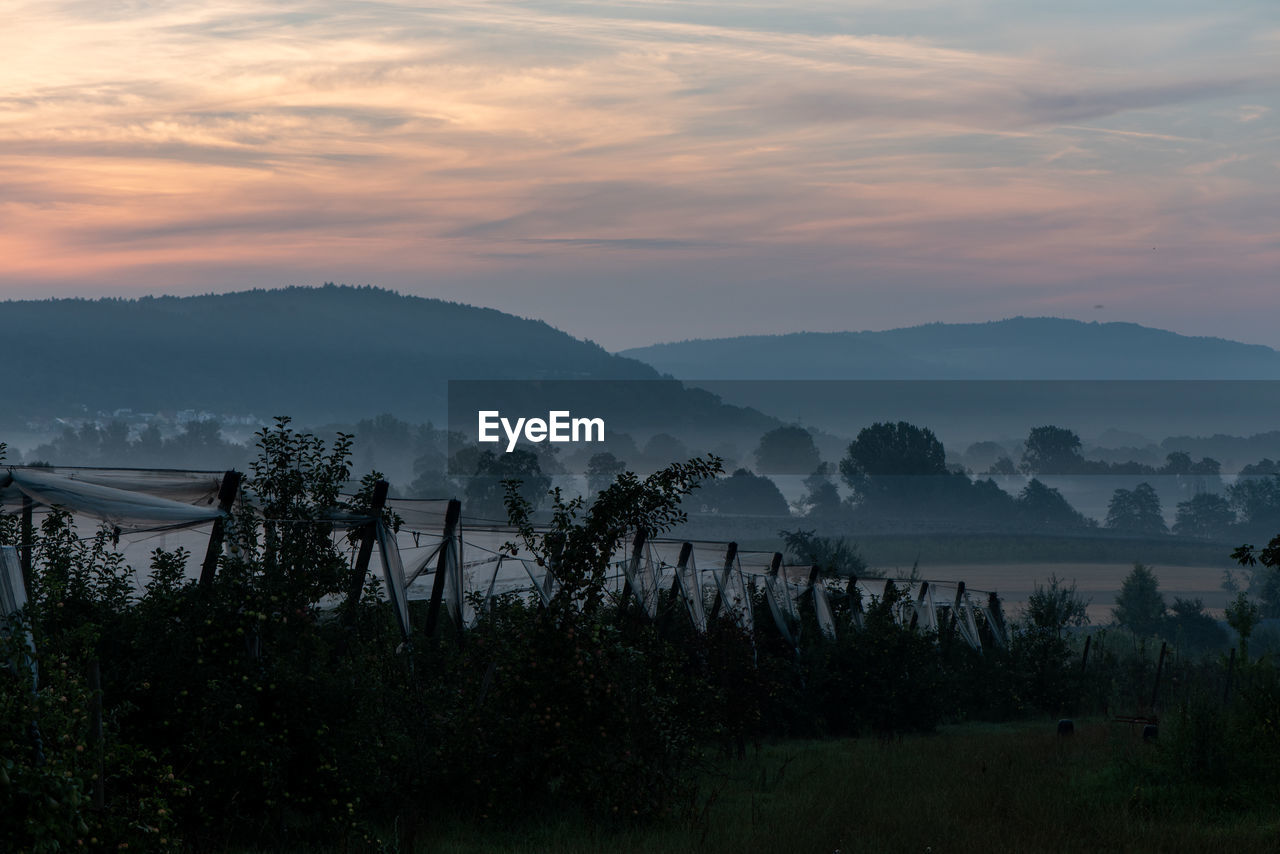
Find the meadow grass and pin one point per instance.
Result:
(967, 788)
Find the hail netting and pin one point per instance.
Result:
(129, 501)
(482, 559)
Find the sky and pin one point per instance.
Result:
(634, 171)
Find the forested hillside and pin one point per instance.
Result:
(1036, 348)
(331, 353)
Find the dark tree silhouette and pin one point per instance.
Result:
(1136, 511)
(822, 500)
(602, 469)
(1052, 450)
(787, 450)
(485, 492)
(744, 493)
(1043, 507)
(1205, 515)
(1140, 606)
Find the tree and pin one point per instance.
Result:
(1177, 462)
(1002, 466)
(581, 539)
(832, 555)
(485, 490)
(1206, 516)
(1264, 466)
(887, 450)
(293, 485)
(1265, 583)
(661, 450)
(981, 456)
(1189, 626)
(1052, 450)
(431, 465)
(602, 468)
(744, 494)
(822, 500)
(1256, 502)
(1136, 511)
(787, 450)
(1044, 507)
(1243, 616)
(1140, 606)
(1054, 607)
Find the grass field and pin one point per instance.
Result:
(968, 788)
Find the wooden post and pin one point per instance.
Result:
(855, 601)
(997, 618)
(1155, 691)
(682, 562)
(1084, 659)
(226, 498)
(367, 536)
(637, 554)
(451, 516)
(686, 549)
(955, 612)
(730, 555)
(28, 537)
(920, 600)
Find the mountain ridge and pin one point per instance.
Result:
(1012, 348)
(314, 352)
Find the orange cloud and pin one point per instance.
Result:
(494, 139)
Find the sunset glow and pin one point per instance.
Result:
(641, 171)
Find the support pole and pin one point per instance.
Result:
(813, 582)
(1155, 691)
(730, 555)
(997, 618)
(955, 612)
(637, 554)
(682, 563)
(921, 601)
(226, 498)
(1084, 659)
(890, 595)
(855, 602)
(367, 536)
(28, 537)
(451, 517)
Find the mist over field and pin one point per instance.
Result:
(192, 379)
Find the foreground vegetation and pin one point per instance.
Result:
(243, 713)
(974, 787)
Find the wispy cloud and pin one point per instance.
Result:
(503, 141)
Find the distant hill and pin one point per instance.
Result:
(976, 381)
(329, 354)
(1038, 348)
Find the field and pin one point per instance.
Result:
(1096, 582)
(968, 788)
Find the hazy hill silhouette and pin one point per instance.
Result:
(331, 353)
(1040, 348)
